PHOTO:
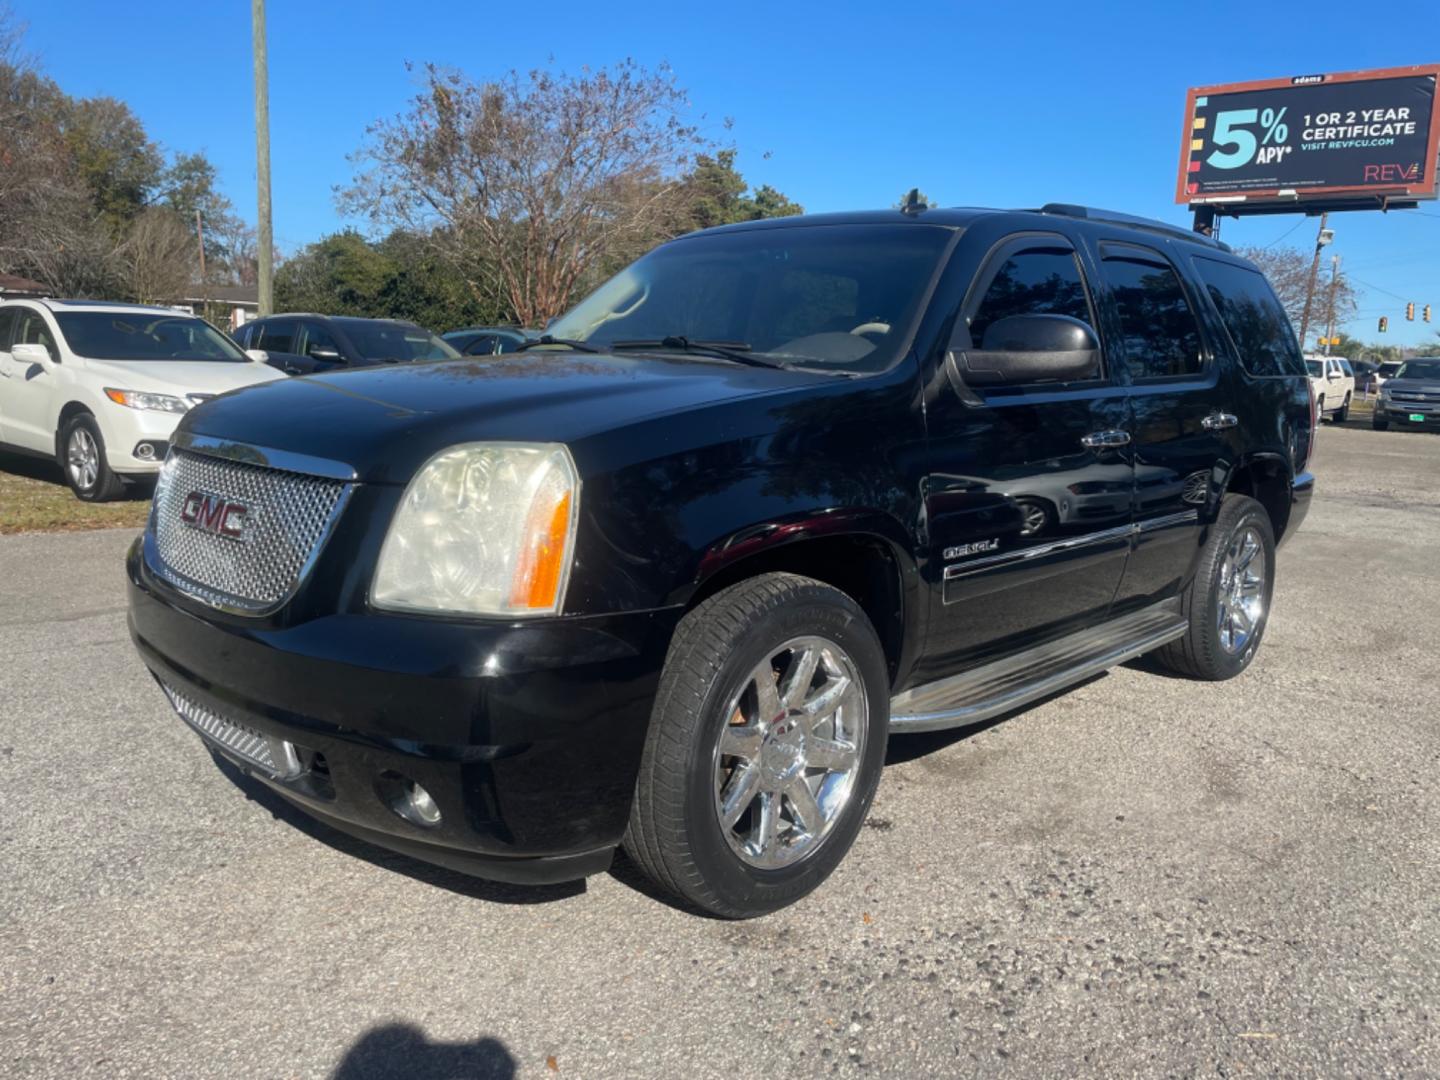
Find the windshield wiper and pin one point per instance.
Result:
(569, 343)
(739, 351)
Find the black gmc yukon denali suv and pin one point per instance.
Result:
(773, 492)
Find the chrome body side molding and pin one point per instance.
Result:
(1069, 543)
(1012, 681)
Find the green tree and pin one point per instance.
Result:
(919, 198)
(714, 193)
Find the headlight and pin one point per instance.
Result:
(1384, 393)
(483, 529)
(143, 399)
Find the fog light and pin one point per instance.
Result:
(419, 802)
(145, 451)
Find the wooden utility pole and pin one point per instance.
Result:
(200, 238)
(1334, 283)
(1320, 242)
(265, 241)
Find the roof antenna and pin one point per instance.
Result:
(914, 203)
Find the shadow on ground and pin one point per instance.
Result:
(404, 1052)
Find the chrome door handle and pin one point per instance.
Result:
(1101, 439)
(1219, 421)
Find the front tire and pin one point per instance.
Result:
(1343, 413)
(765, 746)
(1378, 423)
(82, 457)
(1228, 602)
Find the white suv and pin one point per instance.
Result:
(1333, 383)
(100, 387)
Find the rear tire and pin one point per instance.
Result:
(1228, 602)
(741, 724)
(82, 459)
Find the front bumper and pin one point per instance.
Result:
(1400, 412)
(125, 429)
(527, 736)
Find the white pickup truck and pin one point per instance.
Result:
(1333, 382)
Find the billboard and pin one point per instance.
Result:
(1360, 133)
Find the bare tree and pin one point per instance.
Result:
(1289, 272)
(159, 256)
(532, 183)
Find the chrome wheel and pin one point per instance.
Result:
(787, 759)
(83, 459)
(1241, 595)
(1032, 518)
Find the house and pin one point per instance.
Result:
(241, 301)
(19, 288)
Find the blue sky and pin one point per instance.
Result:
(977, 104)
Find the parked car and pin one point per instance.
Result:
(487, 340)
(1386, 371)
(1364, 371)
(673, 589)
(1410, 397)
(301, 344)
(1334, 386)
(100, 387)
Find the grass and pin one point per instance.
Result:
(34, 498)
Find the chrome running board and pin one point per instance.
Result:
(1008, 683)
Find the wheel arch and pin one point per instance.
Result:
(863, 559)
(1266, 478)
(68, 412)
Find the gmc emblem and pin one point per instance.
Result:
(214, 514)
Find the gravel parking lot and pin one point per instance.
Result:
(1144, 876)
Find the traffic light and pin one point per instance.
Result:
(1384, 324)
(1426, 313)
(1410, 311)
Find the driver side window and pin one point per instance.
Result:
(1034, 281)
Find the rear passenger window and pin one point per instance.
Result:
(1036, 281)
(1159, 336)
(1258, 327)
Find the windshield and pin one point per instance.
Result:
(1315, 368)
(377, 340)
(1425, 368)
(143, 335)
(1389, 368)
(824, 296)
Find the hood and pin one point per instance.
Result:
(384, 422)
(181, 377)
(1414, 386)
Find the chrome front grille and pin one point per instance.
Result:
(257, 561)
(1417, 397)
(275, 756)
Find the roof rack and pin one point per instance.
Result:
(1133, 221)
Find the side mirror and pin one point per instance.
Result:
(1031, 348)
(330, 356)
(260, 356)
(31, 354)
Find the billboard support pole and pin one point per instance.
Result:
(1206, 223)
(1310, 289)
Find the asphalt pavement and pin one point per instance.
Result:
(1141, 877)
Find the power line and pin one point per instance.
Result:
(1283, 235)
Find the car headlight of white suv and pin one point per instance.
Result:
(144, 399)
(483, 529)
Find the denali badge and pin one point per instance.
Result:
(214, 514)
(961, 550)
